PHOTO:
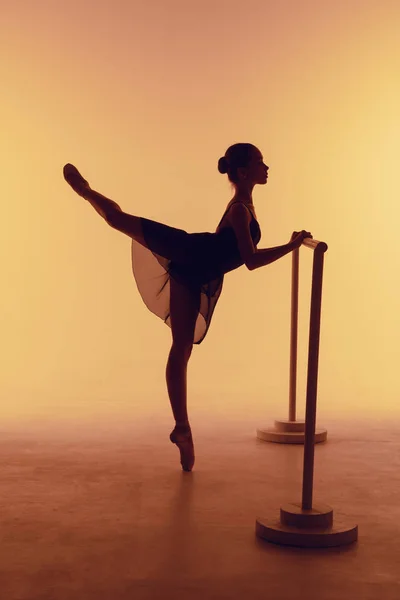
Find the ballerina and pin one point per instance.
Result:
(192, 267)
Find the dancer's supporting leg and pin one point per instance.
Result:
(184, 306)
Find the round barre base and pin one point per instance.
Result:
(313, 528)
(289, 432)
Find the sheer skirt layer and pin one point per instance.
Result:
(190, 258)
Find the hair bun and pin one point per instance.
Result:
(223, 165)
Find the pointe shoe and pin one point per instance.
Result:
(184, 441)
(75, 179)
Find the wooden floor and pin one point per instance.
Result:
(105, 513)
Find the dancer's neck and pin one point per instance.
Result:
(243, 198)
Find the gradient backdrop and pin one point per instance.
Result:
(144, 97)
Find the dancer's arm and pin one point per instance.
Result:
(266, 256)
(252, 257)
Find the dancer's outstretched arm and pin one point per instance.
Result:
(266, 256)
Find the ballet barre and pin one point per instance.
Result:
(306, 524)
(292, 431)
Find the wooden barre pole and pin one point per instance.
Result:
(292, 431)
(313, 244)
(312, 375)
(293, 335)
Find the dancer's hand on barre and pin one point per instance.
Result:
(298, 237)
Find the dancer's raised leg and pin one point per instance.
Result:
(108, 209)
(184, 306)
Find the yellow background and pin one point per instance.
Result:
(144, 97)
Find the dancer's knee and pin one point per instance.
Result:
(181, 351)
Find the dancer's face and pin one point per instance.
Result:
(256, 171)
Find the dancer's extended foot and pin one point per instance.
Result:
(182, 437)
(75, 179)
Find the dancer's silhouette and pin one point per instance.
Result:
(179, 275)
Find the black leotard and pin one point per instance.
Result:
(197, 260)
